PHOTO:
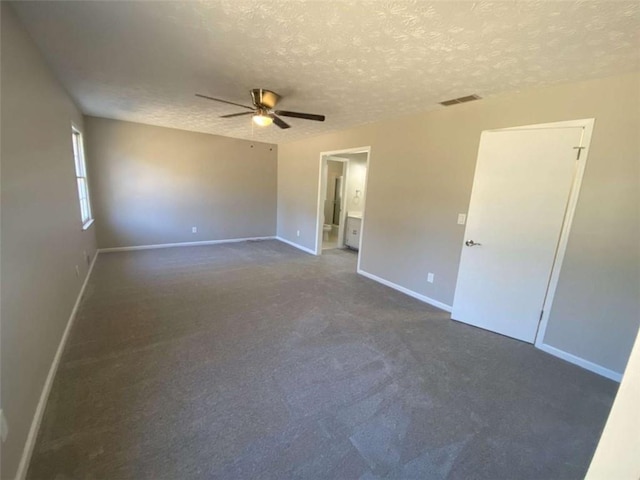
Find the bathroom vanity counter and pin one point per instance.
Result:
(354, 227)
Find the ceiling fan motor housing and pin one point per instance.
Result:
(264, 98)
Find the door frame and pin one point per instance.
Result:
(322, 183)
(587, 125)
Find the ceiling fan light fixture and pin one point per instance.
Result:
(262, 119)
(262, 111)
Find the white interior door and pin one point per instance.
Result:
(520, 194)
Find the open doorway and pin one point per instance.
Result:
(333, 207)
(341, 199)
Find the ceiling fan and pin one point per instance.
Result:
(264, 101)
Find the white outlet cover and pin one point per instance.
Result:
(194, 229)
(298, 233)
(462, 218)
(430, 277)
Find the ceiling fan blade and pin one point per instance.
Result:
(231, 115)
(306, 116)
(223, 101)
(279, 122)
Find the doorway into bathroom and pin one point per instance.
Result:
(333, 223)
(341, 199)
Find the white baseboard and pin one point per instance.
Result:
(182, 244)
(581, 362)
(299, 247)
(42, 403)
(406, 291)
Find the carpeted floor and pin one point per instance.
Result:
(257, 361)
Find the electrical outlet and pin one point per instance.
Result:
(194, 229)
(4, 426)
(77, 271)
(297, 233)
(430, 277)
(462, 218)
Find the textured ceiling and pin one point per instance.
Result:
(354, 61)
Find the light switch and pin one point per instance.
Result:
(462, 217)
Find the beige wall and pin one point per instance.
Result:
(41, 232)
(151, 185)
(420, 176)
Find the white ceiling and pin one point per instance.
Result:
(354, 61)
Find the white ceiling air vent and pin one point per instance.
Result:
(468, 98)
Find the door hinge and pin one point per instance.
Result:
(541, 313)
(579, 151)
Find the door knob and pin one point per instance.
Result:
(471, 243)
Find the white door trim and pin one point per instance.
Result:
(587, 130)
(343, 205)
(587, 125)
(343, 210)
(585, 143)
(366, 193)
(321, 180)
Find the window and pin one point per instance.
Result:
(81, 178)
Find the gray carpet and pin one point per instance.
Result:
(257, 361)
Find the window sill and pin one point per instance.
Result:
(88, 224)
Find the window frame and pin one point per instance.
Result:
(82, 180)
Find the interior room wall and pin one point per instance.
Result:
(41, 229)
(151, 185)
(420, 176)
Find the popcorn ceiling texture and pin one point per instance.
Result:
(354, 61)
